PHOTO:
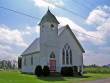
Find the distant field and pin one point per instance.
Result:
(17, 77)
(102, 70)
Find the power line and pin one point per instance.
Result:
(65, 9)
(76, 1)
(18, 12)
(21, 13)
(87, 34)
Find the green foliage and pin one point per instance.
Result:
(46, 71)
(38, 71)
(75, 69)
(67, 71)
(97, 70)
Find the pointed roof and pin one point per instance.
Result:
(48, 17)
(68, 27)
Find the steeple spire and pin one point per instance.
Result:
(48, 17)
(48, 8)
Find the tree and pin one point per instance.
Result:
(19, 62)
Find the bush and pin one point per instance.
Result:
(46, 71)
(70, 71)
(63, 71)
(75, 70)
(38, 71)
(67, 71)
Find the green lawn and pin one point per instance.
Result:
(17, 77)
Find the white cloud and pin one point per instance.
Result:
(48, 3)
(105, 28)
(5, 47)
(99, 15)
(95, 37)
(11, 37)
(6, 53)
(63, 21)
(29, 30)
(12, 41)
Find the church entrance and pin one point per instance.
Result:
(52, 62)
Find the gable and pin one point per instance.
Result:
(73, 35)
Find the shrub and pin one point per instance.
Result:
(63, 71)
(70, 71)
(38, 71)
(67, 71)
(46, 71)
(75, 69)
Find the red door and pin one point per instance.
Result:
(52, 64)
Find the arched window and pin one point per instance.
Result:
(31, 60)
(67, 55)
(52, 55)
(70, 57)
(63, 56)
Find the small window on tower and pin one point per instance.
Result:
(52, 26)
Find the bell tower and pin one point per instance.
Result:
(48, 36)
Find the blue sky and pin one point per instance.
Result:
(93, 19)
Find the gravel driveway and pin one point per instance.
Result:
(100, 81)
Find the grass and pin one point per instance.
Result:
(17, 77)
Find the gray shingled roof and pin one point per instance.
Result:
(48, 17)
(60, 30)
(33, 47)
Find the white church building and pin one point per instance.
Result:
(56, 47)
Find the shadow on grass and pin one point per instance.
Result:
(52, 78)
(85, 76)
(60, 78)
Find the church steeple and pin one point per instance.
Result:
(48, 17)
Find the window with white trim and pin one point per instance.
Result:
(67, 55)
